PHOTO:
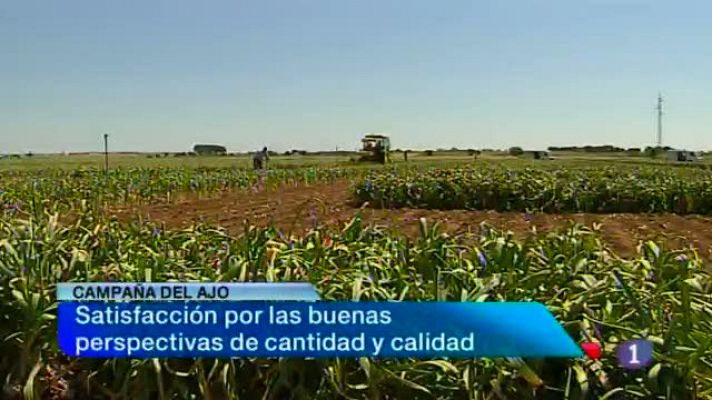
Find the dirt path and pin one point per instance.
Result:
(293, 209)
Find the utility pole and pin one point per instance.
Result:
(106, 152)
(659, 108)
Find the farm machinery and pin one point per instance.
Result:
(376, 148)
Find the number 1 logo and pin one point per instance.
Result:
(635, 354)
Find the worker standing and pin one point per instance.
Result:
(259, 163)
(259, 160)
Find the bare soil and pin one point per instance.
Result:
(296, 208)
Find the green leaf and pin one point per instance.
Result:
(444, 365)
(612, 392)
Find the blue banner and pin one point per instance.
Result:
(224, 329)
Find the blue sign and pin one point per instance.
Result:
(635, 354)
(224, 329)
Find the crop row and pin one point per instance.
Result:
(63, 190)
(603, 189)
(661, 294)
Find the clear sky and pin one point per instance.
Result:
(308, 74)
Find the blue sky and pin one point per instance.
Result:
(307, 74)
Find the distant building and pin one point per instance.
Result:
(681, 155)
(209, 150)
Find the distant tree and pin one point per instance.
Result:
(209, 149)
(428, 153)
(516, 151)
(633, 151)
(588, 149)
(474, 153)
(29, 154)
(655, 151)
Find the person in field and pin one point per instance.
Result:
(259, 160)
(259, 163)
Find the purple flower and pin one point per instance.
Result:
(619, 279)
(483, 260)
(681, 258)
(597, 330)
(156, 232)
(651, 275)
(527, 217)
(291, 244)
(369, 185)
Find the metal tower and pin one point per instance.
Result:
(659, 108)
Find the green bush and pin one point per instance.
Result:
(515, 151)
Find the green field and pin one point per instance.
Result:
(96, 160)
(54, 227)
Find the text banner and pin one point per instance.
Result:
(311, 329)
(186, 291)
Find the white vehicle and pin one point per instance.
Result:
(682, 155)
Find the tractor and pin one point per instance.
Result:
(376, 148)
